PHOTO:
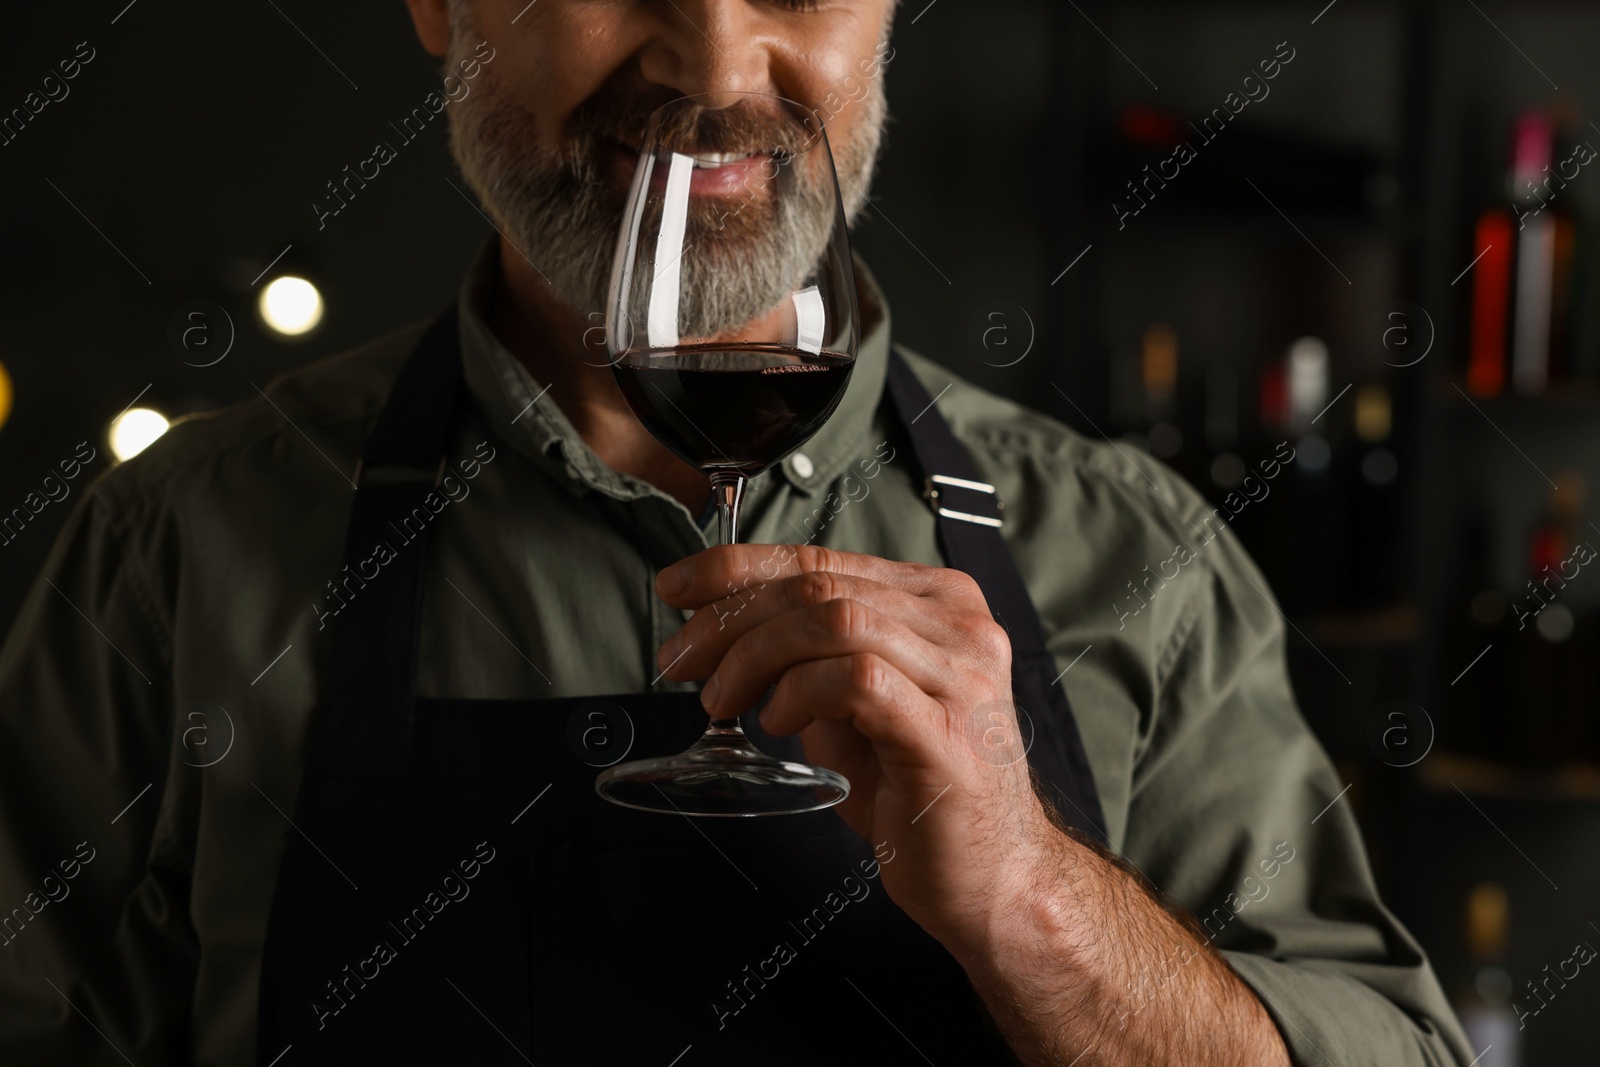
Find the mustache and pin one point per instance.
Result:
(747, 126)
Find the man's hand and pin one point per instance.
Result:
(890, 673)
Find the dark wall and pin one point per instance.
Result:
(196, 142)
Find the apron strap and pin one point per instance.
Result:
(969, 517)
(365, 718)
(373, 666)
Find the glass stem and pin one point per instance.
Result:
(727, 490)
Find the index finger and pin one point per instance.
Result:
(707, 575)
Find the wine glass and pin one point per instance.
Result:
(732, 329)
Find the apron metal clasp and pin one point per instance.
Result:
(397, 474)
(931, 493)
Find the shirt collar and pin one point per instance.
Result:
(514, 403)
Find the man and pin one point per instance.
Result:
(212, 606)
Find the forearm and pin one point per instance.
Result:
(1090, 969)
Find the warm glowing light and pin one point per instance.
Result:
(134, 431)
(291, 306)
(5, 395)
(1374, 413)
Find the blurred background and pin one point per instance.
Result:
(1367, 232)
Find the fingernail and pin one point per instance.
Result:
(708, 695)
(668, 650)
(673, 580)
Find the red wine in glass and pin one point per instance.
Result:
(733, 407)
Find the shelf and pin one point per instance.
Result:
(1445, 772)
(1398, 624)
(1578, 397)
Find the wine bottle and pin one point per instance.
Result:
(1493, 243)
(1484, 1002)
(1158, 364)
(1317, 511)
(1222, 426)
(1563, 209)
(1549, 680)
(1371, 474)
(1536, 244)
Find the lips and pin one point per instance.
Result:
(731, 174)
(742, 174)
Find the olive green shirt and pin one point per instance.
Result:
(157, 686)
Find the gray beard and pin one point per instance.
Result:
(565, 218)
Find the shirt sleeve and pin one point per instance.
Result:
(97, 957)
(1233, 814)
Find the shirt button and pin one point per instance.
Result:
(802, 465)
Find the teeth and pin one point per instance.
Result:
(718, 159)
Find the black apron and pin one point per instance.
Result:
(454, 891)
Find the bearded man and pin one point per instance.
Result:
(386, 847)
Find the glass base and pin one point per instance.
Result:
(722, 774)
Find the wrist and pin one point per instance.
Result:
(1037, 960)
(1032, 903)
